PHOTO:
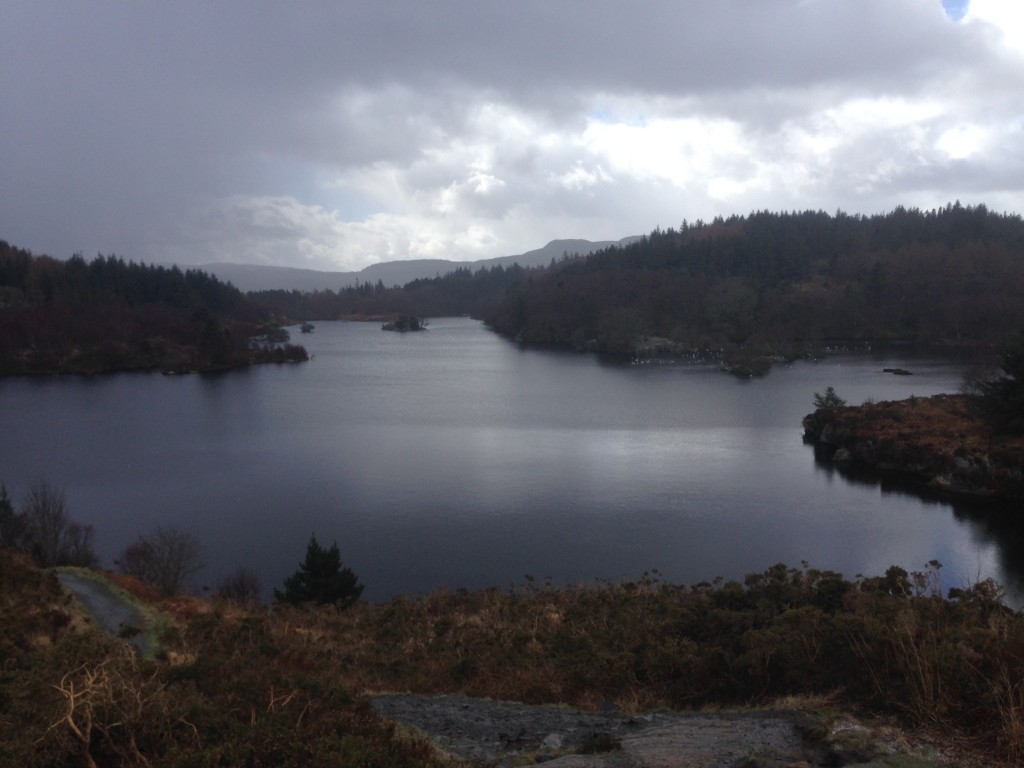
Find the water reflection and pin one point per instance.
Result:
(457, 457)
(991, 523)
(1003, 527)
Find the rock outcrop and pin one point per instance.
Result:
(937, 440)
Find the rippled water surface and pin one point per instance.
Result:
(455, 457)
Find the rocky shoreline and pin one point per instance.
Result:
(938, 441)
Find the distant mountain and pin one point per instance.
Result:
(254, 277)
(556, 249)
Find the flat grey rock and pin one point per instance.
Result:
(508, 733)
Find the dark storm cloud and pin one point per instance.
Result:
(337, 134)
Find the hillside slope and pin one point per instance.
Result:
(784, 283)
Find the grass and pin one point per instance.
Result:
(236, 686)
(224, 692)
(889, 645)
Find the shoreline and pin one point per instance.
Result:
(937, 441)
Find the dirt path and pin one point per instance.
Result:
(109, 609)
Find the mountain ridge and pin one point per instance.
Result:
(259, 277)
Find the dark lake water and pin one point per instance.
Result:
(455, 457)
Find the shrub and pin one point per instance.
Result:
(168, 558)
(321, 579)
(241, 586)
(237, 693)
(830, 401)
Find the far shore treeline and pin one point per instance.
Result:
(746, 289)
(766, 284)
(78, 316)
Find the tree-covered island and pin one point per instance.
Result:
(404, 323)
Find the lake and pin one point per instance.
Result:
(456, 457)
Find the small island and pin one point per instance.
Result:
(404, 323)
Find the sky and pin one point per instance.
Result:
(334, 135)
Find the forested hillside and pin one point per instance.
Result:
(462, 292)
(78, 316)
(747, 287)
(783, 283)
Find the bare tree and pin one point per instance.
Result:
(77, 548)
(46, 519)
(241, 586)
(167, 558)
(43, 528)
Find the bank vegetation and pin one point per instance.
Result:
(105, 314)
(233, 685)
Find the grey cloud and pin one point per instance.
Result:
(134, 127)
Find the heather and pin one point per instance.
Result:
(284, 685)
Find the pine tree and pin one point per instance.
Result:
(1002, 398)
(321, 579)
(830, 401)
